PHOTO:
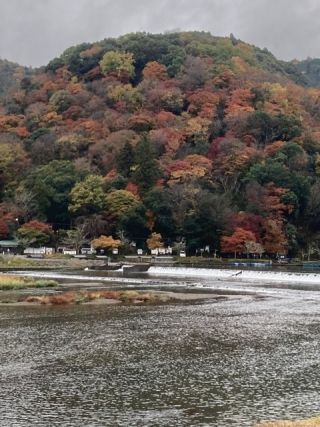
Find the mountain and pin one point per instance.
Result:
(171, 49)
(203, 140)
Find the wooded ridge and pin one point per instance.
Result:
(184, 138)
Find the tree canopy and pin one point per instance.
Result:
(200, 139)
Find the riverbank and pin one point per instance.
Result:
(14, 262)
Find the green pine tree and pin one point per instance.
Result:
(146, 170)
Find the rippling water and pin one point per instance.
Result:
(226, 363)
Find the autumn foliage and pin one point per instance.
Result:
(199, 139)
(236, 243)
(106, 242)
(155, 241)
(38, 226)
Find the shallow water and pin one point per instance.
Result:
(226, 363)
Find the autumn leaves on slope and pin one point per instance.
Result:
(186, 135)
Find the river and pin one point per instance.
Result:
(227, 362)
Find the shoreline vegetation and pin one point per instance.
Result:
(311, 422)
(98, 296)
(103, 297)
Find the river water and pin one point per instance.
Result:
(227, 362)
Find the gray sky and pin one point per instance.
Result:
(34, 31)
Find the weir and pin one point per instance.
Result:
(237, 275)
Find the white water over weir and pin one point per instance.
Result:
(236, 275)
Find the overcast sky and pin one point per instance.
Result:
(34, 31)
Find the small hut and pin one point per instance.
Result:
(9, 247)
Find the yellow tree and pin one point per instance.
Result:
(106, 242)
(155, 241)
(127, 95)
(191, 168)
(120, 202)
(120, 64)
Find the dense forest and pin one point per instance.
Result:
(181, 139)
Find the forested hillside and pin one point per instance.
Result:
(11, 75)
(205, 141)
(310, 69)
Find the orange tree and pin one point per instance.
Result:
(237, 241)
(106, 243)
(34, 233)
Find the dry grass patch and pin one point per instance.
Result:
(87, 296)
(311, 422)
(92, 295)
(128, 296)
(58, 299)
(13, 282)
(134, 296)
(16, 262)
